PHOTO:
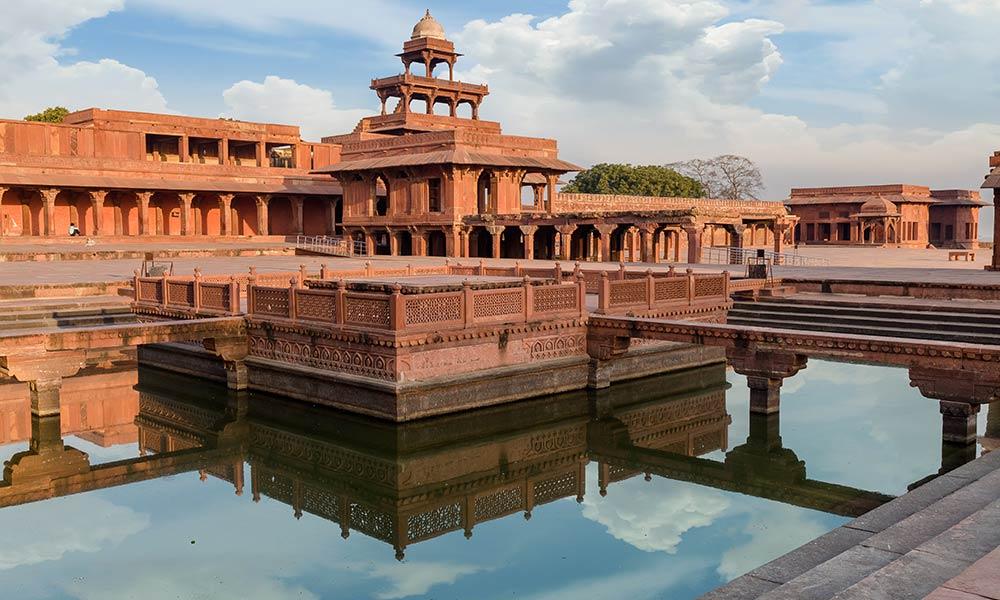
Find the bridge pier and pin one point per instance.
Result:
(958, 422)
(991, 440)
(233, 352)
(765, 371)
(47, 457)
(44, 372)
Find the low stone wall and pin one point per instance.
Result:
(928, 290)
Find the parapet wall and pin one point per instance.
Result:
(580, 203)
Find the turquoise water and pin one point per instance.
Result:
(191, 537)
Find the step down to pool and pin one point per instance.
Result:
(62, 313)
(922, 321)
(901, 550)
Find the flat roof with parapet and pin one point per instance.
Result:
(427, 284)
(896, 193)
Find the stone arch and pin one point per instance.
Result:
(584, 242)
(480, 243)
(437, 244)
(244, 215)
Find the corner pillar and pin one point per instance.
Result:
(765, 394)
(495, 232)
(647, 231)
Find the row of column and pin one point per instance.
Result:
(186, 201)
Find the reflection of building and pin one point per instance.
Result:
(887, 215)
(96, 405)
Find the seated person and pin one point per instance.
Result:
(73, 229)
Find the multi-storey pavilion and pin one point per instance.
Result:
(417, 182)
(887, 215)
(407, 181)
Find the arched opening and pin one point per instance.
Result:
(447, 105)
(512, 242)
(583, 243)
(244, 215)
(280, 216)
(34, 216)
(464, 109)
(620, 244)
(436, 244)
(381, 196)
(480, 243)
(545, 243)
(166, 213)
(423, 105)
(65, 212)
(484, 192)
(404, 244)
(316, 218)
(383, 245)
(207, 215)
(13, 211)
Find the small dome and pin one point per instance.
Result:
(879, 206)
(428, 27)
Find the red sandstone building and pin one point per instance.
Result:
(406, 181)
(887, 215)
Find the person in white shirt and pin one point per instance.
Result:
(73, 229)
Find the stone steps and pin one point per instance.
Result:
(980, 328)
(917, 312)
(904, 549)
(64, 313)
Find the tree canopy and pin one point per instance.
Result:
(629, 180)
(52, 114)
(728, 177)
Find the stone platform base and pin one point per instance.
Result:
(441, 395)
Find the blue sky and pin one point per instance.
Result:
(817, 92)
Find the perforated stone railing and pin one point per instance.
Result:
(629, 294)
(413, 311)
(187, 294)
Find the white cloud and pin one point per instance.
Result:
(413, 578)
(656, 82)
(788, 529)
(277, 100)
(652, 516)
(34, 533)
(32, 77)
(636, 584)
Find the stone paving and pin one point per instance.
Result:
(979, 582)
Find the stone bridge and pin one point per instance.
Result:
(962, 377)
(43, 358)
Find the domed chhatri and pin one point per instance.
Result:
(879, 206)
(428, 27)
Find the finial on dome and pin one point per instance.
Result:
(428, 27)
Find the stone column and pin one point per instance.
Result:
(495, 232)
(262, 200)
(463, 238)
(646, 233)
(144, 198)
(995, 266)
(297, 214)
(369, 242)
(605, 230)
(419, 242)
(97, 198)
(765, 394)
(958, 422)
(550, 199)
(261, 155)
(528, 233)
(565, 240)
(45, 396)
(224, 151)
(693, 232)
(187, 198)
(226, 214)
(779, 229)
(49, 210)
(331, 213)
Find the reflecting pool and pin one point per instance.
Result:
(660, 488)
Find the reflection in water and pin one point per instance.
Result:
(408, 486)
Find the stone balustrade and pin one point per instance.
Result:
(642, 292)
(185, 294)
(406, 309)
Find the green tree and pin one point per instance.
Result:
(629, 180)
(52, 114)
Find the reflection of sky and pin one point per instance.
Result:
(852, 425)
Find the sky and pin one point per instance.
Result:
(817, 92)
